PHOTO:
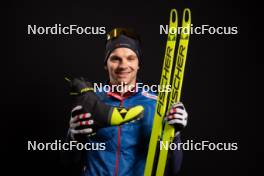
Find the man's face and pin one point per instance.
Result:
(122, 66)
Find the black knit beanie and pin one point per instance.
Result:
(122, 41)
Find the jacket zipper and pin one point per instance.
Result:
(118, 143)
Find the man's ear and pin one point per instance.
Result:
(105, 67)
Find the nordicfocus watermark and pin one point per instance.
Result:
(123, 87)
(199, 146)
(200, 30)
(59, 145)
(59, 29)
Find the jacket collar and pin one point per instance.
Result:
(117, 95)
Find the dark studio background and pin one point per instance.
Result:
(218, 90)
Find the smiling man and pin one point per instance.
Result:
(126, 146)
(122, 66)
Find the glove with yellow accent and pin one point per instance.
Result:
(89, 113)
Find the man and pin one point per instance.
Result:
(126, 145)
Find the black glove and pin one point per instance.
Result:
(89, 113)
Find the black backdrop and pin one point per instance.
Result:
(218, 90)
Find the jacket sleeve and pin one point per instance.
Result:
(174, 159)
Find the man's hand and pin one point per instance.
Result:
(177, 116)
(81, 124)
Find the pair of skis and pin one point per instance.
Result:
(160, 133)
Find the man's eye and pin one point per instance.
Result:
(114, 58)
(131, 58)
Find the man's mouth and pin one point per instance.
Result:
(122, 74)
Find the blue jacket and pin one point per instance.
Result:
(126, 146)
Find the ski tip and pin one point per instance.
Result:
(187, 15)
(173, 16)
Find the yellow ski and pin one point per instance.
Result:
(162, 95)
(177, 80)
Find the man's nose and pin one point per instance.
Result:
(123, 63)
